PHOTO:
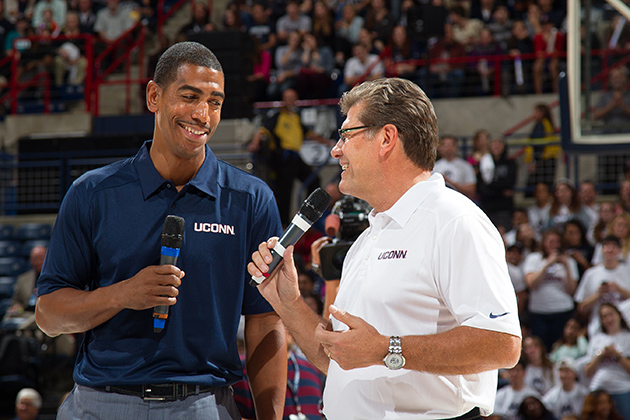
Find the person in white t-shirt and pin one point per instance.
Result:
(539, 211)
(606, 282)
(566, 398)
(510, 397)
(539, 373)
(425, 313)
(608, 358)
(457, 172)
(551, 276)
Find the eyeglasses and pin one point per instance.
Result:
(343, 131)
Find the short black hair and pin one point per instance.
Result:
(183, 53)
(611, 239)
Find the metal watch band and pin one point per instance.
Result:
(395, 344)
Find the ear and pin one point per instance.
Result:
(153, 95)
(389, 139)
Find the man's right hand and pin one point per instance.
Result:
(152, 286)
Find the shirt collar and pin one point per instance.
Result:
(405, 207)
(151, 181)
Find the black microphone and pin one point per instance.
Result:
(309, 213)
(172, 238)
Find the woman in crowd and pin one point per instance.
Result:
(566, 205)
(619, 226)
(551, 276)
(538, 213)
(607, 211)
(577, 245)
(573, 343)
(599, 405)
(539, 373)
(480, 148)
(609, 358)
(533, 409)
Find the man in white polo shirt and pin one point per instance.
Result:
(426, 312)
(458, 173)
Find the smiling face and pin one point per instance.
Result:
(187, 111)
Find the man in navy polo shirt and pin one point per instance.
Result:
(102, 274)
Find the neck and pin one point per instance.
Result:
(174, 168)
(397, 185)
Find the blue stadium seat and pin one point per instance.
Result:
(10, 248)
(6, 232)
(7, 285)
(12, 266)
(29, 245)
(29, 231)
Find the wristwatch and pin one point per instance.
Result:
(394, 359)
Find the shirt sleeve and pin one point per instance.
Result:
(473, 277)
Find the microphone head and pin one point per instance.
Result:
(332, 224)
(314, 206)
(173, 232)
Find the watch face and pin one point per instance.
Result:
(394, 361)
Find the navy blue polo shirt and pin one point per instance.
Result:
(109, 228)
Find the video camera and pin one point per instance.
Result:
(348, 219)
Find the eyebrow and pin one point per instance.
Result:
(199, 91)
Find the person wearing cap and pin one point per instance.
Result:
(605, 282)
(27, 404)
(567, 397)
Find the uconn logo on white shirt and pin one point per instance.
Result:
(393, 255)
(214, 228)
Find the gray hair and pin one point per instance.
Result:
(30, 394)
(402, 103)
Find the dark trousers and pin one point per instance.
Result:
(291, 168)
(549, 327)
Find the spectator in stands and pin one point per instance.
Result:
(577, 245)
(624, 196)
(551, 276)
(599, 405)
(480, 148)
(605, 282)
(566, 205)
(539, 373)
(58, 8)
(538, 213)
(400, 54)
(514, 257)
(360, 67)
(232, 19)
(550, 13)
(608, 358)
(70, 65)
(323, 24)
(28, 403)
(496, 192)
(613, 107)
(87, 16)
(261, 72)
(607, 211)
(509, 397)
(313, 80)
(380, 23)
(533, 409)
(458, 174)
(573, 343)
(288, 60)
(347, 31)
(262, 27)
(519, 218)
(443, 78)
(501, 25)
(465, 31)
(5, 27)
(19, 9)
(286, 132)
(520, 43)
(588, 197)
(542, 156)
(548, 44)
(199, 23)
(292, 21)
(48, 27)
(112, 21)
(483, 10)
(25, 287)
(482, 70)
(619, 226)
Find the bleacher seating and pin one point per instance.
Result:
(10, 248)
(30, 231)
(7, 285)
(12, 266)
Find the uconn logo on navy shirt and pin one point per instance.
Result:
(393, 255)
(214, 228)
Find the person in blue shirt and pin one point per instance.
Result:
(102, 275)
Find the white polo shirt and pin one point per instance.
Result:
(432, 262)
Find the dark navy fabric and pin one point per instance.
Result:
(109, 228)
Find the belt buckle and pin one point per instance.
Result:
(149, 393)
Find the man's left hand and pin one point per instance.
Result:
(359, 346)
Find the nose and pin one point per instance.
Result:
(336, 150)
(201, 112)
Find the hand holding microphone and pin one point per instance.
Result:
(310, 211)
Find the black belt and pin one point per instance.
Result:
(159, 392)
(472, 414)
